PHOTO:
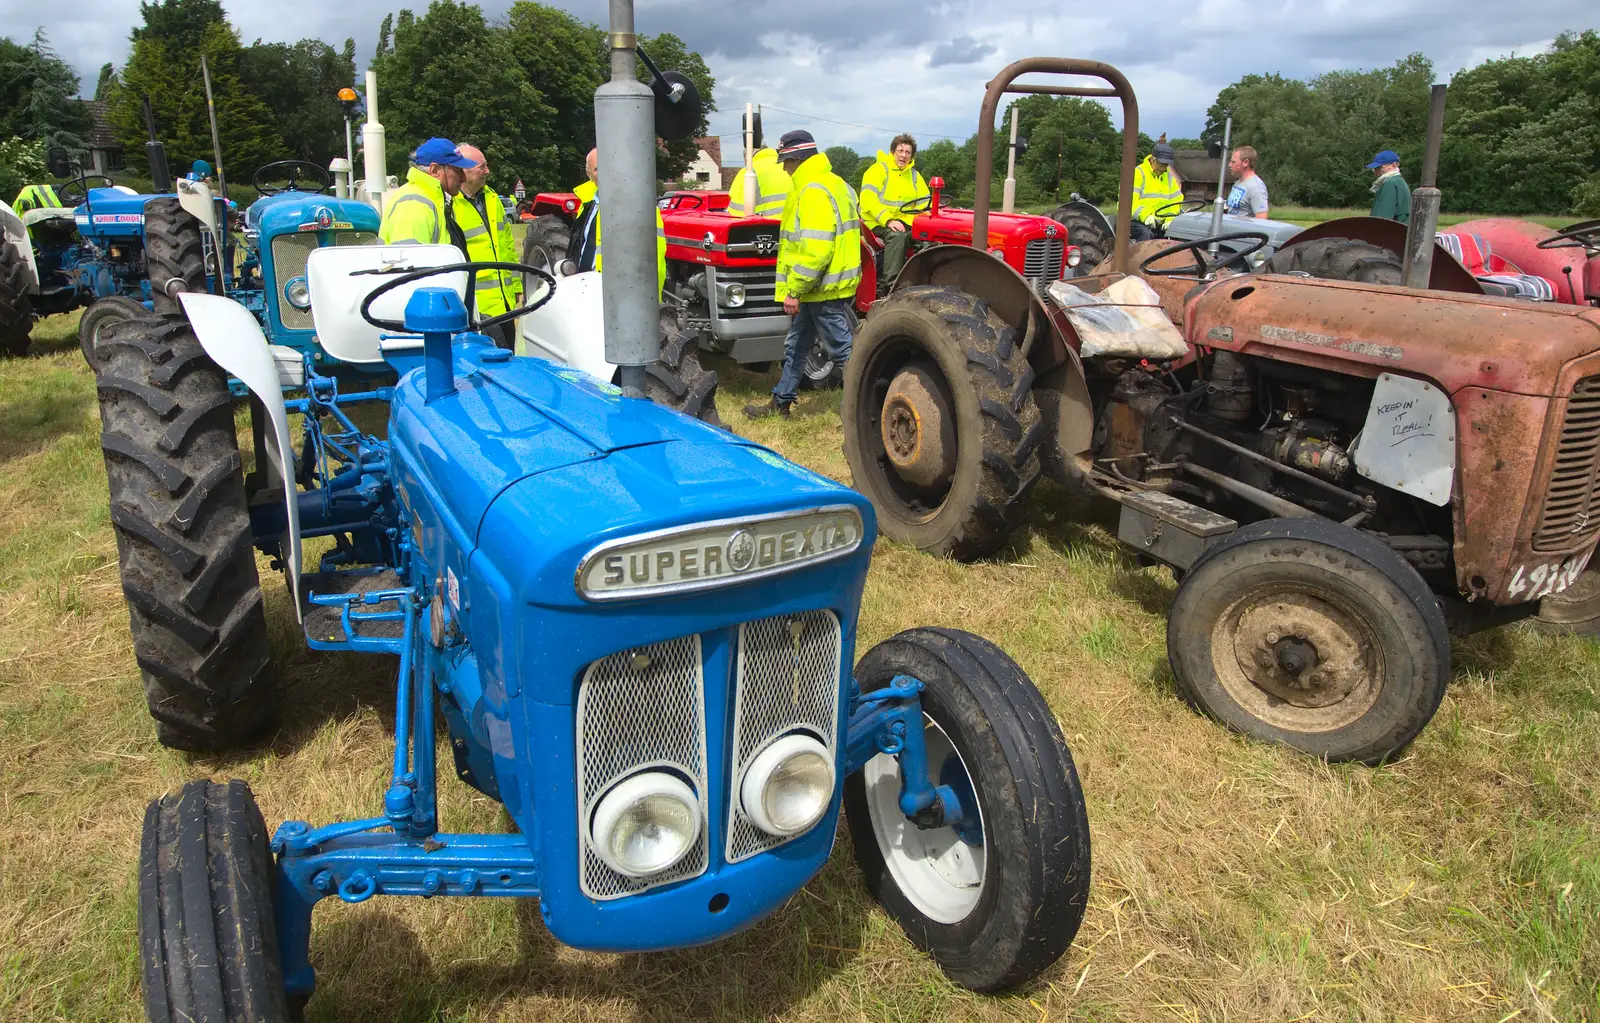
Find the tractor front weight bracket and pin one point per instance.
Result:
(889, 720)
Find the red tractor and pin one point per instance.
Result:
(721, 269)
(1341, 474)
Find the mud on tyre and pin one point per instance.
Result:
(184, 544)
(941, 429)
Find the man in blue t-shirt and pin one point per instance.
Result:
(1248, 197)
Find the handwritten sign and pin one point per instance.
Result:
(1409, 440)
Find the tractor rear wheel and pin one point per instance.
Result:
(101, 315)
(16, 305)
(173, 253)
(1086, 229)
(183, 535)
(546, 241)
(208, 943)
(940, 426)
(1311, 634)
(1339, 259)
(677, 380)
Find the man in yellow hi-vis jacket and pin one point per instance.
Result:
(819, 265)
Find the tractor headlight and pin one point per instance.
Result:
(1074, 255)
(730, 296)
(298, 292)
(646, 824)
(788, 787)
(998, 253)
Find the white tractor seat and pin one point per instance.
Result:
(336, 295)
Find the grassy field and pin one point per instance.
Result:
(1232, 880)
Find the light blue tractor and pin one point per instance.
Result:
(638, 631)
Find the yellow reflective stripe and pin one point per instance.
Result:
(840, 276)
(810, 232)
(806, 272)
(474, 232)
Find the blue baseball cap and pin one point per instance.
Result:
(1388, 156)
(437, 150)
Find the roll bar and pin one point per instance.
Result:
(1119, 87)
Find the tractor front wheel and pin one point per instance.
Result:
(102, 314)
(997, 896)
(1311, 634)
(677, 380)
(184, 544)
(208, 944)
(16, 305)
(546, 241)
(941, 430)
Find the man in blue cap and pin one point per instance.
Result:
(1391, 196)
(416, 213)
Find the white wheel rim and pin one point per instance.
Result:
(941, 875)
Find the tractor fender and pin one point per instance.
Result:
(1060, 388)
(16, 235)
(232, 337)
(1447, 275)
(570, 328)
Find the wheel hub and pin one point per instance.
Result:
(1302, 651)
(918, 437)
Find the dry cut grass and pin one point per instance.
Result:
(1232, 881)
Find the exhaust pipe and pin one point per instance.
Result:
(625, 132)
(1424, 222)
(374, 161)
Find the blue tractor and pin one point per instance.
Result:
(637, 630)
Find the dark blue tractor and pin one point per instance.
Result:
(637, 631)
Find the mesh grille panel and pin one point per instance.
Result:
(641, 707)
(1571, 512)
(788, 678)
(289, 255)
(760, 290)
(1043, 258)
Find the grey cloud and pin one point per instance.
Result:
(960, 50)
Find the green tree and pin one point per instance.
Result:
(300, 83)
(449, 74)
(36, 95)
(565, 57)
(165, 65)
(21, 164)
(847, 163)
(106, 82)
(670, 54)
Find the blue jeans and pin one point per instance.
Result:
(826, 321)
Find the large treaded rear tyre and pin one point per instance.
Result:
(1087, 230)
(678, 381)
(208, 945)
(16, 305)
(997, 900)
(183, 535)
(1311, 634)
(1339, 259)
(982, 397)
(546, 242)
(173, 254)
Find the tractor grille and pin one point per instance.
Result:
(788, 680)
(289, 255)
(1571, 512)
(1043, 258)
(760, 288)
(641, 707)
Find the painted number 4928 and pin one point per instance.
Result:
(1545, 580)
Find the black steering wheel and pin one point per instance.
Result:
(921, 204)
(1202, 268)
(76, 191)
(1585, 235)
(434, 271)
(318, 173)
(1181, 206)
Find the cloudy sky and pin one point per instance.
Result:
(886, 67)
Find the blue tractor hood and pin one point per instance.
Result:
(111, 211)
(292, 212)
(549, 460)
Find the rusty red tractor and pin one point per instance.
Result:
(1341, 475)
(721, 270)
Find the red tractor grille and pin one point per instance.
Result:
(1571, 513)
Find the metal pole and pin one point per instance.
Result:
(624, 118)
(350, 157)
(1425, 201)
(1008, 204)
(1222, 178)
(216, 141)
(750, 189)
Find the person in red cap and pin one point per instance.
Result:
(819, 265)
(416, 213)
